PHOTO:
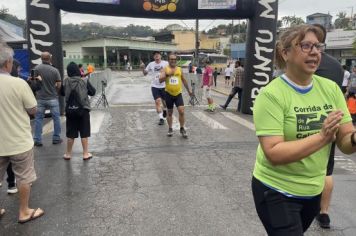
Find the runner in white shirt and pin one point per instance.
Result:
(228, 72)
(346, 80)
(153, 69)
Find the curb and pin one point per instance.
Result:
(221, 92)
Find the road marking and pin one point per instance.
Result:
(239, 120)
(96, 120)
(48, 127)
(345, 163)
(208, 120)
(175, 125)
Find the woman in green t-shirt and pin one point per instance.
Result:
(297, 116)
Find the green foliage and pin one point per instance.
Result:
(239, 31)
(71, 32)
(289, 21)
(4, 15)
(342, 22)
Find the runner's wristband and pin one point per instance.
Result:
(353, 143)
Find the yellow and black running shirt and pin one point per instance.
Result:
(174, 82)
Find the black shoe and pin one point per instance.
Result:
(170, 132)
(38, 144)
(164, 113)
(323, 220)
(161, 122)
(183, 133)
(223, 107)
(57, 141)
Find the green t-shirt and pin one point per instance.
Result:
(281, 110)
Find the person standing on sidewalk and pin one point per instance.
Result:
(215, 75)
(47, 98)
(174, 78)
(239, 75)
(154, 69)
(346, 78)
(16, 144)
(207, 84)
(228, 73)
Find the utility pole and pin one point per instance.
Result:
(197, 43)
(352, 17)
(232, 31)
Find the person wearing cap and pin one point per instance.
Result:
(153, 70)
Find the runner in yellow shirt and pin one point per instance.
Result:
(174, 79)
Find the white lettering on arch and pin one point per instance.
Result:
(35, 51)
(40, 23)
(36, 3)
(267, 40)
(261, 75)
(264, 60)
(269, 9)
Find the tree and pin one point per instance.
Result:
(289, 21)
(4, 15)
(341, 21)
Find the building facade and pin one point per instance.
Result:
(321, 19)
(113, 52)
(339, 45)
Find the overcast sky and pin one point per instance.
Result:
(300, 8)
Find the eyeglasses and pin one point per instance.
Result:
(307, 47)
(172, 59)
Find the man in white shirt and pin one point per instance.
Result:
(228, 72)
(346, 80)
(153, 69)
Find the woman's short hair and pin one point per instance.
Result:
(291, 37)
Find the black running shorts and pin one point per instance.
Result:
(158, 93)
(174, 100)
(78, 125)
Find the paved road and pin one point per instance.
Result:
(142, 183)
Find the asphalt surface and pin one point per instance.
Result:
(140, 182)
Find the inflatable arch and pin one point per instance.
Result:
(44, 28)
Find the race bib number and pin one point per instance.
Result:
(174, 80)
(157, 78)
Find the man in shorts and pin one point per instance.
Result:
(228, 72)
(207, 84)
(16, 146)
(173, 76)
(154, 69)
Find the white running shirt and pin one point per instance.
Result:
(153, 69)
(345, 82)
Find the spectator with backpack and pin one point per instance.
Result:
(76, 91)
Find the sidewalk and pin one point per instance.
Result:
(221, 87)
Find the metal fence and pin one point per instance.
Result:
(100, 78)
(194, 82)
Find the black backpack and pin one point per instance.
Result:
(74, 107)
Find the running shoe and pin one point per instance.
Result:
(161, 122)
(323, 220)
(164, 113)
(170, 132)
(183, 133)
(12, 190)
